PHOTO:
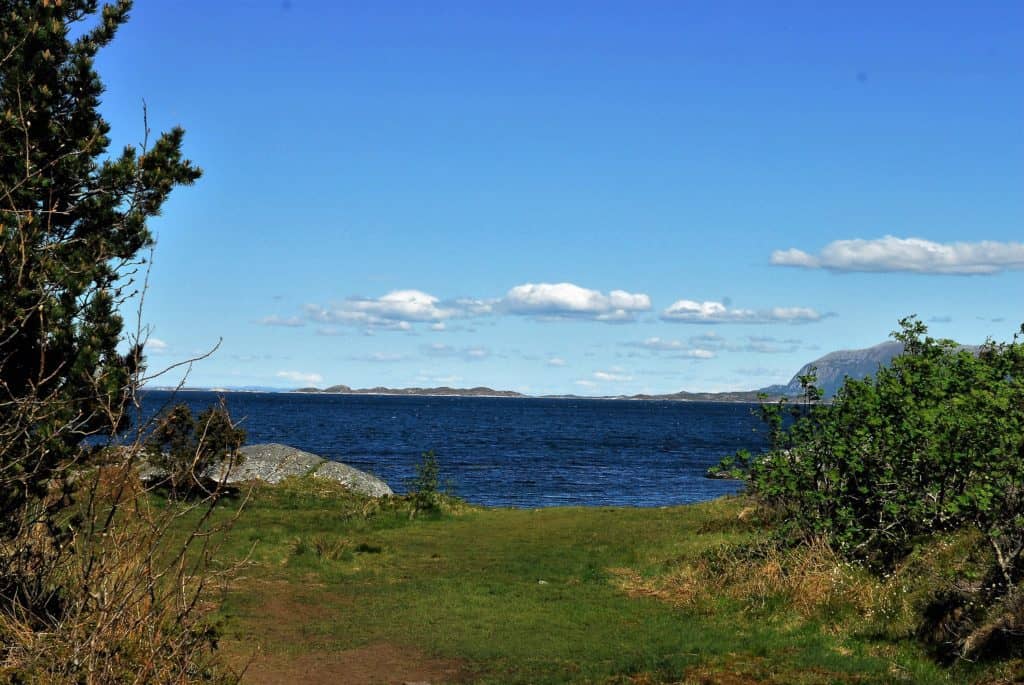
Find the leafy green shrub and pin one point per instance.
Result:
(933, 443)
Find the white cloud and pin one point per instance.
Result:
(794, 257)
(612, 376)
(300, 377)
(914, 255)
(586, 384)
(793, 314)
(570, 301)
(275, 320)
(397, 310)
(690, 311)
(556, 361)
(156, 346)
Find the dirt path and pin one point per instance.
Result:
(377, 664)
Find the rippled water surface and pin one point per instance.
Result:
(509, 452)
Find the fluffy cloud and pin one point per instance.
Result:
(300, 377)
(613, 376)
(689, 311)
(556, 361)
(274, 320)
(156, 346)
(913, 255)
(397, 310)
(402, 309)
(570, 301)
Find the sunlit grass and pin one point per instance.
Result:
(530, 596)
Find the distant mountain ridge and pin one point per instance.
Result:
(833, 368)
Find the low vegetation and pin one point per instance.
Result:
(335, 586)
(924, 460)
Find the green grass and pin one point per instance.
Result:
(524, 596)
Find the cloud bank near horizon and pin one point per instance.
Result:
(401, 310)
(690, 311)
(911, 255)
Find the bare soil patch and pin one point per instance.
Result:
(376, 664)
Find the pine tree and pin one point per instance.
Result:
(72, 230)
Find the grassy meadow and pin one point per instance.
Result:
(336, 588)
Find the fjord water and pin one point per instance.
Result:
(519, 452)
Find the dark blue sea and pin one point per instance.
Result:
(509, 451)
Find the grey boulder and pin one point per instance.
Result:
(273, 462)
(353, 479)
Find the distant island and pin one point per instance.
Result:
(445, 391)
(831, 369)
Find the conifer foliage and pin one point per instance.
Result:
(73, 223)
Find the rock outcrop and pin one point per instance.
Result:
(273, 462)
(353, 479)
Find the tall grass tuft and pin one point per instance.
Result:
(134, 597)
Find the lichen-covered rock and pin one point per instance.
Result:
(273, 462)
(353, 479)
(270, 463)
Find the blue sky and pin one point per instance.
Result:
(576, 197)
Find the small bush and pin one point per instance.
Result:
(191, 449)
(425, 489)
